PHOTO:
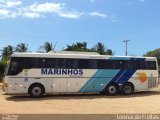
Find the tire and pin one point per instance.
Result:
(127, 89)
(36, 91)
(112, 89)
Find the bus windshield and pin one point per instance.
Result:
(15, 66)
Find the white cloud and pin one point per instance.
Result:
(97, 14)
(31, 15)
(92, 1)
(14, 8)
(13, 3)
(46, 7)
(4, 13)
(73, 15)
(38, 10)
(10, 3)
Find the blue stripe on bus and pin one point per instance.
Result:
(141, 59)
(118, 75)
(106, 76)
(89, 81)
(119, 58)
(100, 80)
(126, 76)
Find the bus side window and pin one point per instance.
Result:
(92, 64)
(51, 63)
(41, 63)
(151, 65)
(110, 64)
(105, 64)
(119, 64)
(72, 63)
(29, 63)
(129, 65)
(83, 64)
(136, 64)
(101, 64)
(61, 63)
(143, 65)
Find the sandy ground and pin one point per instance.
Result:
(140, 102)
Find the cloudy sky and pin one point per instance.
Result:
(66, 21)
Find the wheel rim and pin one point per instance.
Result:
(36, 91)
(112, 89)
(127, 89)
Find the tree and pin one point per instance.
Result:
(101, 49)
(7, 52)
(48, 47)
(109, 52)
(3, 64)
(22, 47)
(77, 47)
(154, 53)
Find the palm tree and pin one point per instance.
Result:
(109, 52)
(102, 50)
(48, 47)
(7, 52)
(22, 47)
(79, 46)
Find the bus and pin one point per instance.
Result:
(37, 74)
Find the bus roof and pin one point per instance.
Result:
(85, 56)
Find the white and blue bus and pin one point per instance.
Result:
(37, 74)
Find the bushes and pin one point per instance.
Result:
(3, 64)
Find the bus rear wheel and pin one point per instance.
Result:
(112, 89)
(36, 91)
(127, 89)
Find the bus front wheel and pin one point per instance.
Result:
(36, 91)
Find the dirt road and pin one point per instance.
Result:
(139, 102)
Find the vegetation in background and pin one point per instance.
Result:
(154, 53)
(48, 47)
(6, 52)
(102, 50)
(3, 64)
(22, 47)
(77, 47)
(82, 47)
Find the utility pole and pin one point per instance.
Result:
(126, 41)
